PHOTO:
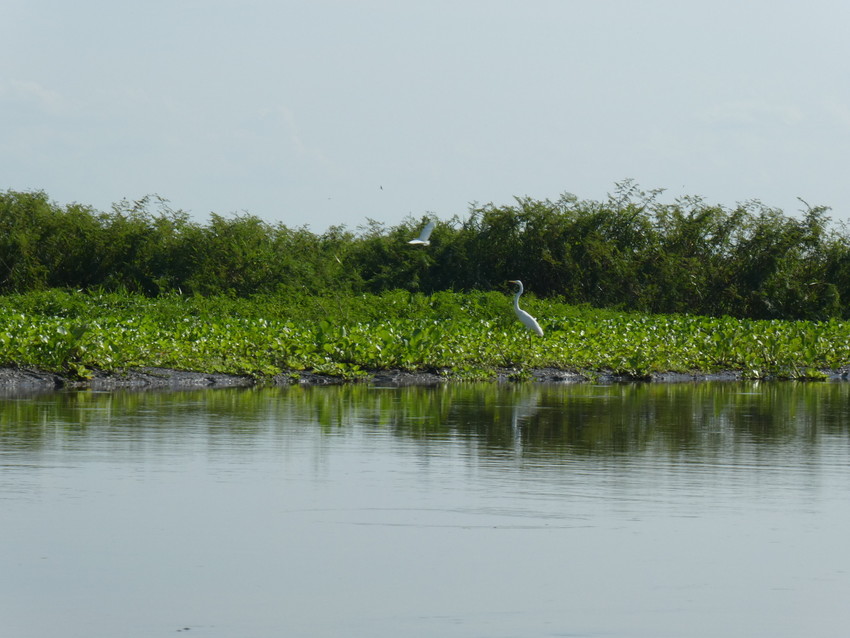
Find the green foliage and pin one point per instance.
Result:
(630, 252)
(464, 335)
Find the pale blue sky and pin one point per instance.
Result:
(325, 113)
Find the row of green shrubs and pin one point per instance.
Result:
(629, 252)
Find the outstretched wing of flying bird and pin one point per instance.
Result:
(424, 236)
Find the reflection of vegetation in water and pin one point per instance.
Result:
(616, 419)
(679, 419)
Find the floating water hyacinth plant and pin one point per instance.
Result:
(462, 335)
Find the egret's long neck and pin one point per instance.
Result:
(516, 298)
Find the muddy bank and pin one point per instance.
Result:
(14, 380)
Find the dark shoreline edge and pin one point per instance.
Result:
(19, 380)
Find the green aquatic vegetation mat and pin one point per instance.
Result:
(466, 336)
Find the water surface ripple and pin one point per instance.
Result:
(714, 509)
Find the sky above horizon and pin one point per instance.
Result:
(331, 113)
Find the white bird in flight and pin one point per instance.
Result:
(423, 239)
(527, 320)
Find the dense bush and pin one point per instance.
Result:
(628, 252)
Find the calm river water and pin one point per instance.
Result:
(467, 510)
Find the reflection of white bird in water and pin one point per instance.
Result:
(521, 412)
(527, 320)
(423, 239)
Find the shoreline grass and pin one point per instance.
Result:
(462, 335)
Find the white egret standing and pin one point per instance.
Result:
(527, 320)
(423, 239)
